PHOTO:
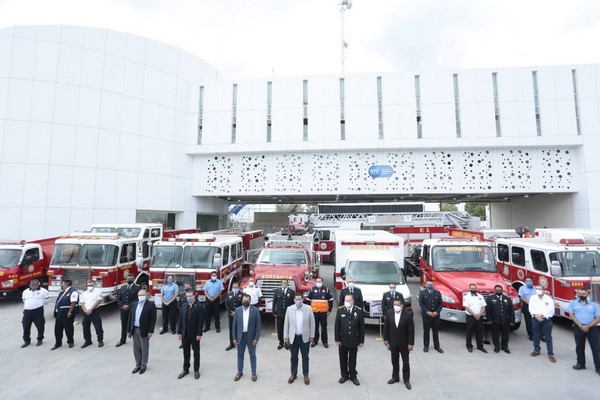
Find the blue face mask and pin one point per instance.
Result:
(529, 284)
(299, 303)
(190, 300)
(213, 278)
(393, 291)
(430, 287)
(169, 281)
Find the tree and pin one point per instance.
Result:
(476, 209)
(448, 207)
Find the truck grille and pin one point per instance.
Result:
(79, 277)
(181, 279)
(268, 286)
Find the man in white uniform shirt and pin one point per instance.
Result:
(34, 299)
(474, 305)
(541, 308)
(90, 301)
(254, 292)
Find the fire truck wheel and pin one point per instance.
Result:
(515, 326)
(332, 257)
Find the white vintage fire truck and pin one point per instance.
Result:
(561, 260)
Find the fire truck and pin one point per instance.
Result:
(107, 254)
(455, 262)
(22, 261)
(288, 257)
(191, 258)
(560, 260)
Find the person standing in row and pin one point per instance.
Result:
(189, 329)
(399, 336)
(233, 301)
(430, 301)
(349, 336)
(387, 301)
(541, 307)
(213, 289)
(282, 299)
(525, 293)
(140, 326)
(254, 292)
(321, 302)
(169, 294)
(34, 298)
(298, 333)
(64, 314)
(126, 295)
(474, 305)
(585, 315)
(246, 325)
(354, 291)
(90, 301)
(501, 313)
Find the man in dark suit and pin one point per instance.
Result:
(387, 301)
(126, 295)
(349, 336)
(189, 329)
(399, 336)
(430, 301)
(140, 326)
(501, 314)
(246, 325)
(354, 291)
(282, 299)
(232, 301)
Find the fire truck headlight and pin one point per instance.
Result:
(448, 299)
(8, 283)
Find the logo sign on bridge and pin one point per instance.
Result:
(381, 171)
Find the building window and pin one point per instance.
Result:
(576, 99)
(380, 107)
(200, 114)
(418, 99)
(342, 110)
(536, 102)
(496, 104)
(456, 105)
(234, 114)
(269, 108)
(305, 106)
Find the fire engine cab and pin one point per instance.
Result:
(560, 260)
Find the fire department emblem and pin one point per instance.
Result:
(521, 274)
(543, 281)
(505, 271)
(31, 268)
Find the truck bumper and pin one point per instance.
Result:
(460, 316)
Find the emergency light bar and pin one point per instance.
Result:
(13, 242)
(365, 243)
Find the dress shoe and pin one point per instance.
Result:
(496, 350)
(552, 359)
(205, 329)
(392, 381)
(287, 346)
(142, 370)
(182, 374)
(71, 345)
(507, 351)
(279, 347)
(482, 349)
(181, 346)
(439, 350)
(136, 370)
(291, 379)
(25, 345)
(196, 375)
(307, 380)
(254, 377)
(343, 379)
(39, 343)
(121, 343)
(86, 344)
(407, 384)
(229, 347)
(100, 343)
(326, 345)
(218, 330)
(313, 344)
(578, 367)
(162, 332)
(535, 353)
(173, 332)
(355, 381)
(238, 376)
(425, 349)
(56, 346)
(470, 349)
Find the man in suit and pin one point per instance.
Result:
(127, 294)
(189, 329)
(232, 301)
(64, 312)
(399, 336)
(387, 301)
(430, 301)
(141, 322)
(354, 291)
(501, 314)
(246, 325)
(299, 325)
(282, 299)
(349, 336)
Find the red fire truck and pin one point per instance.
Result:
(191, 258)
(455, 262)
(22, 261)
(560, 260)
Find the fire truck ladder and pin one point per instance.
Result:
(456, 219)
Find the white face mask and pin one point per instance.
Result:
(348, 304)
(397, 308)
(539, 292)
(351, 285)
(319, 284)
(251, 284)
(90, 288)
(141, 298)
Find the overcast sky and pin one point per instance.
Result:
(259, 38)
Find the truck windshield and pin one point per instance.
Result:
(577, 263)
(463, 258)
(167, 256)
(292, 257)
(66, 254)
(375, 272)
(102, 255)
(9, 257)
(198, 256)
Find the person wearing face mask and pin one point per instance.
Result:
(283, 297)
(501, 314)
(474, 305)
(321, 302)
(232, 301)
(169, 294)
(212, 290)
(399, 336)
(141, 322)
(246, 325)
(349, 330)
(90, 301)
(65, 308)
(354, 291)
(387, 301)
(585, 315)
(34, 298)
(126, 295)
(254, 292)
(189, 329)
(525, 293)
(298, 334)
(430, 301)
(541, 307)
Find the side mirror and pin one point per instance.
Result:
(555, 268)
(343, 273)
(217, 261)
(316, 239)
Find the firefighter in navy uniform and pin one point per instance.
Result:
(282, 299)
(501, 314)
(387, 301)
(321, 302)
(127, 295)
(232, 301)
(64, 313)
(349, 336)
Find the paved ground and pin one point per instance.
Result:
(95, 373)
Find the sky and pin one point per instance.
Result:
(263, 38)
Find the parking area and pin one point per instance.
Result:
(105, 372)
